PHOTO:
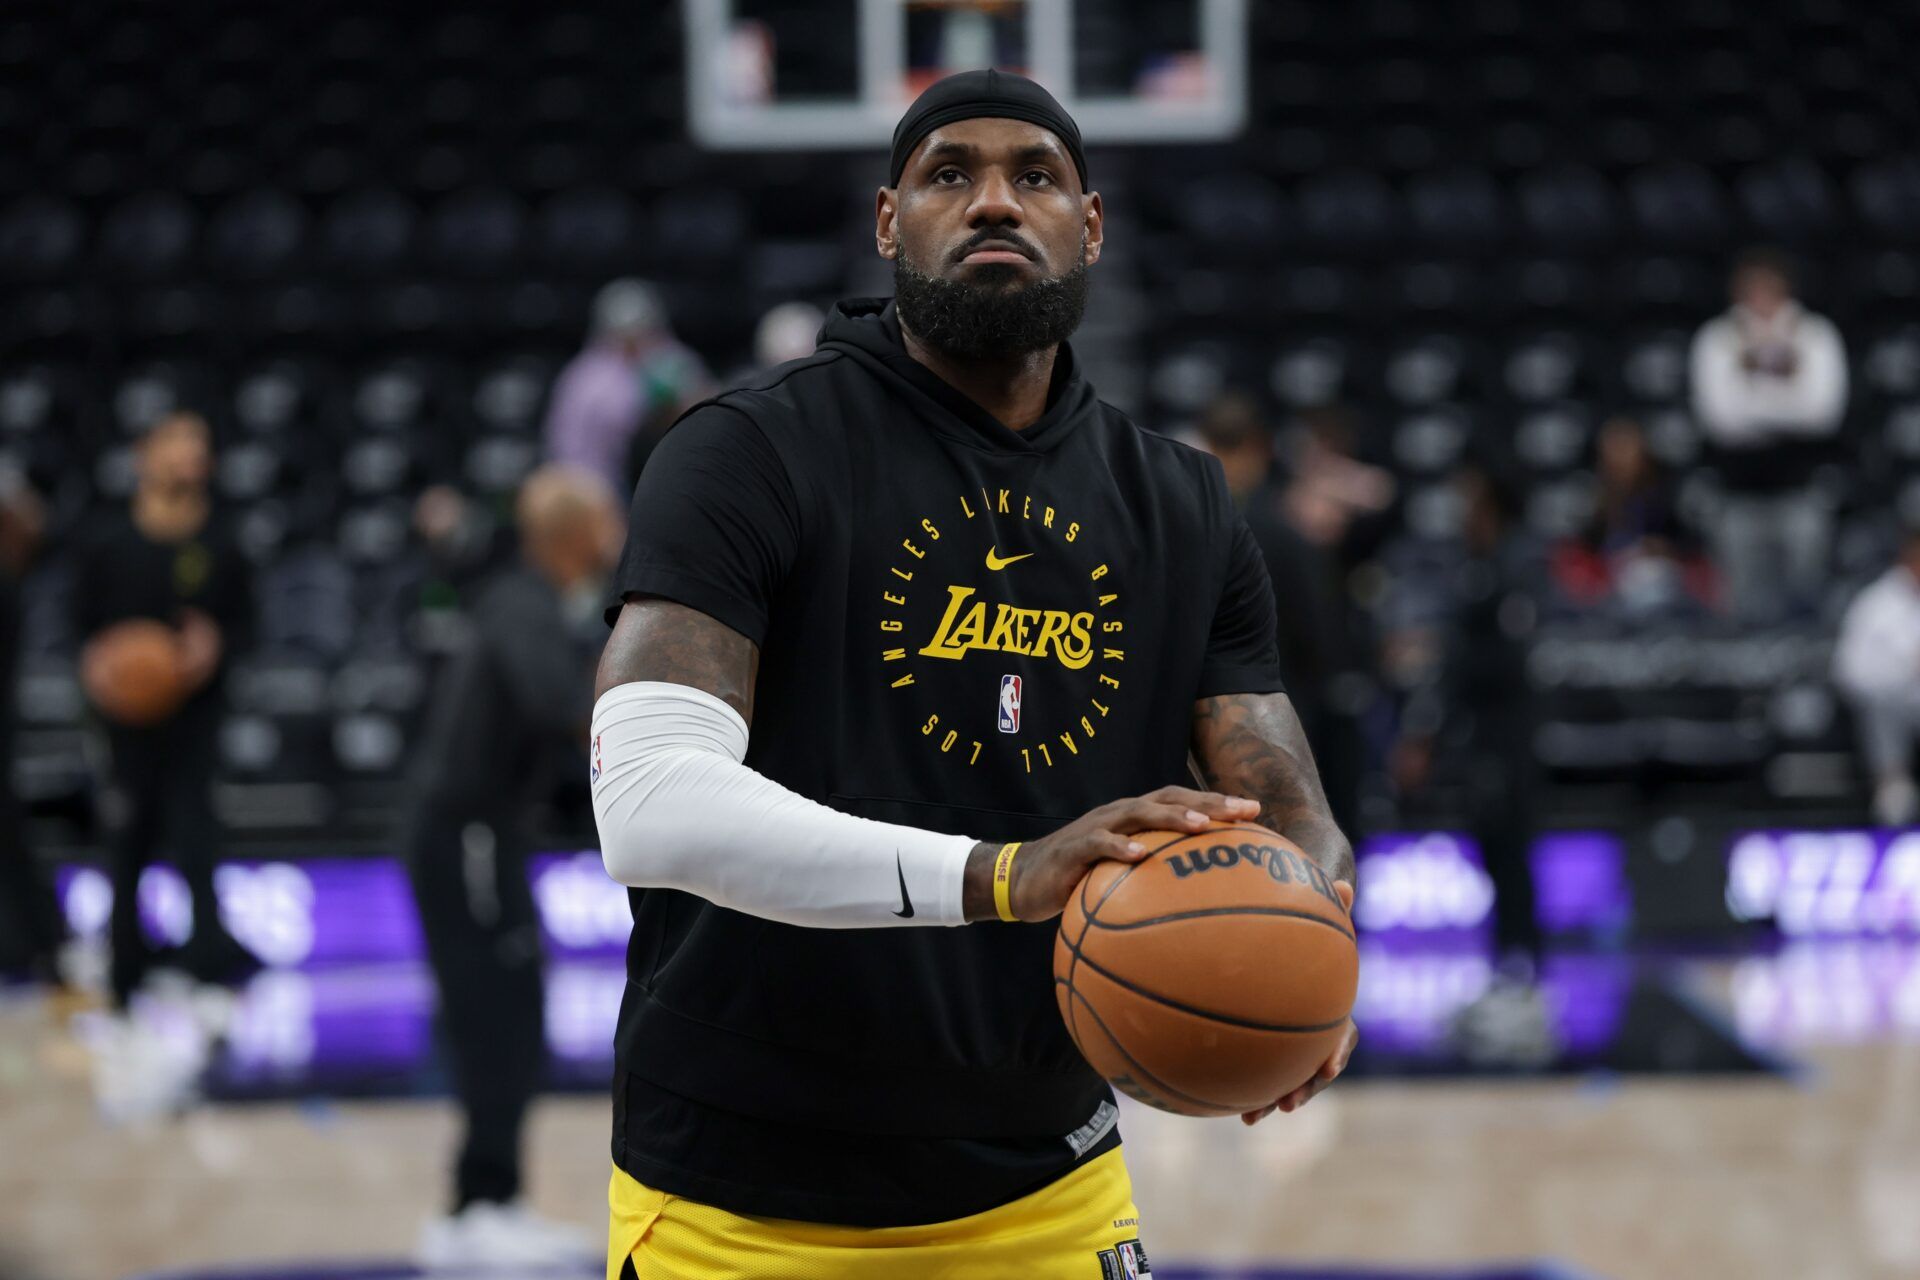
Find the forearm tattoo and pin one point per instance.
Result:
(1251, 744)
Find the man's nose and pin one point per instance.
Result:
(995, 201)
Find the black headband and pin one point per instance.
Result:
(972, 95)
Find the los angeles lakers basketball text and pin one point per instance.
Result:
(1084, 640)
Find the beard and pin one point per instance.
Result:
(990, 316)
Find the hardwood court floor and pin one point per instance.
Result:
(1808, 1179)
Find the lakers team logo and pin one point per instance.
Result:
(1007, 575)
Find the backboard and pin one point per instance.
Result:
(775, 74)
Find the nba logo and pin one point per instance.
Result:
(1009, 704)
(596, 759)
(1133, 1261)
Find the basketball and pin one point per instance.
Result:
(1212, 977)
(133, 672)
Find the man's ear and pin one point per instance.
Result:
(1096, 227)
(885, 212)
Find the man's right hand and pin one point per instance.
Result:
(1046, 871)
(200, 647)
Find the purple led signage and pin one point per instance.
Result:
(1827, 883)
(320, 911)
(349, 910)
(1437, 883)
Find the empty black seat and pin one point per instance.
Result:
(1310, 375)
(148, 234)
(1430, 443)
(1654, 367)
(1459, 206)
(507, 397)
(1545, 367)
(1235, 211)
(257, 233)
(1678, 201)
(1553, 438)
(368, 230)
(1887, 194)
(1568, 204)
(1789, 199)
(477, 230)
(585, 227)
(1347, 208)
(1427, 371)
(40, 235)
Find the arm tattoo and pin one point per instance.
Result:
(1251, 744)
(659, 640)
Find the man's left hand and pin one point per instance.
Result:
(1336, 1062)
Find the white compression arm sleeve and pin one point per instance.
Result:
(678, 810)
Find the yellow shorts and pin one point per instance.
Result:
(1083, 1227)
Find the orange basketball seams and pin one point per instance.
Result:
(1211, 977)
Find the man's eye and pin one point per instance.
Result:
(944, 174)
(1038, 176)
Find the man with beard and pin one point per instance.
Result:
(963, 606)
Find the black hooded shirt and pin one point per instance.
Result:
(962, 628)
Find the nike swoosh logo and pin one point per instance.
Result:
(906, 903)
(996, 563)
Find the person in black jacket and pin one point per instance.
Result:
(504, 708)
(1472, 732)
(908, 635)
(171, 558)
(1319, 654)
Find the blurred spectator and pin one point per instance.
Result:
(1471, 731)
(31, 929)
(787, 332)
(1335, 500)
(1637, 554)
(519, 695)
(171, 559)
(1877, 664)
(1769, 387)
(1312, 634)
(633, 378)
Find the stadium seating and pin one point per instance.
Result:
(362, 241)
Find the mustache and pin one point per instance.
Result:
(992, 237)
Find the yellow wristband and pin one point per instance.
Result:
(1003, 881)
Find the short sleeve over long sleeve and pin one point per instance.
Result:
(715, 523)
(1243, 652)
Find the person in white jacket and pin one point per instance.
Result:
(1877, 664)
(1769, 391)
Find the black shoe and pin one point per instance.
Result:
(122, 982)
(219, 960)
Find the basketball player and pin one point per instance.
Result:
(172, 558)
(893, 615)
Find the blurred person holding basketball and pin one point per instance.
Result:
(512, 701)
(888, 618)
(162, 599)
